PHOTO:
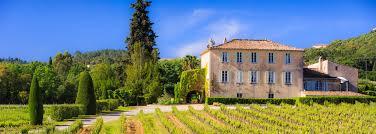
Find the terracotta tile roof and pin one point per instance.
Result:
(255, 44)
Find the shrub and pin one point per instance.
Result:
(107, 105)
(166, 99)
(35, 103)
(249, 101)
(98, 125)
(64, 111)
(85, 95)
(336, 99)
(75, 127)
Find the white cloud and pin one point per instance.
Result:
(225, 28)
(217, 30)
(176, 25)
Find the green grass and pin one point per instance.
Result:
(121, 108)
(111, 127)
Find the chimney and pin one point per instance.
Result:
(211, 43)
(320, 64)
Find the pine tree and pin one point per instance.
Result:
(35, 103)
(141, 28)
(86, 95)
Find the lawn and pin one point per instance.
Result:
(329, 118)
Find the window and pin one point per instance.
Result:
(254, 57)
(224, 57)
(287, 58)
(253, 77)
(239, 95)
(224, 77)
(271, 57)
(271, 77)
(270, 95)
(288, 78)
(239, 57)
(336, 67)
(239, 77)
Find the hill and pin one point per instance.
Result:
(359, 52)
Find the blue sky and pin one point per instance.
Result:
(38, 29)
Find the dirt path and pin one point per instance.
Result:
(134, 127)
(179, 124)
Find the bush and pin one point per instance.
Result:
(249, 101)
(107, 105)
(64, 111)
(123, 120)
(75, 127)
(35, 103)
(166, 99)
(86, 95)
(336, 99)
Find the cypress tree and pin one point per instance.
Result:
(141, 28)
(35, 103)
(86, 95)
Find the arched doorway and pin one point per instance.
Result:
(194, 97)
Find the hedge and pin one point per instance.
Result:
(249, 101)
(336, 99)
(64, 111)
(292, 101)
(85, 95)
(107, 105)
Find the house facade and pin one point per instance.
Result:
(265, 69)
(253, 69)
(329, 76)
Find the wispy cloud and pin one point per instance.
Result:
(217, 30)
(175, 25)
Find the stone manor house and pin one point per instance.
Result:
(245, 68)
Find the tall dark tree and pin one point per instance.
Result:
(141, 28)
(35, 103)
(142, 75)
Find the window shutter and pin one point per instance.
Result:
(257, 58)
(266, 76)
(258, 76)
(221, 58)
(240, 76)
(283, 77)
(250, 76)
(220, 76)
(228, 76)
(274, 58)
(235, 57)
(228, 57)
(291, 78)
(274, 77)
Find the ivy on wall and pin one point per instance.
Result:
(190, 80)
